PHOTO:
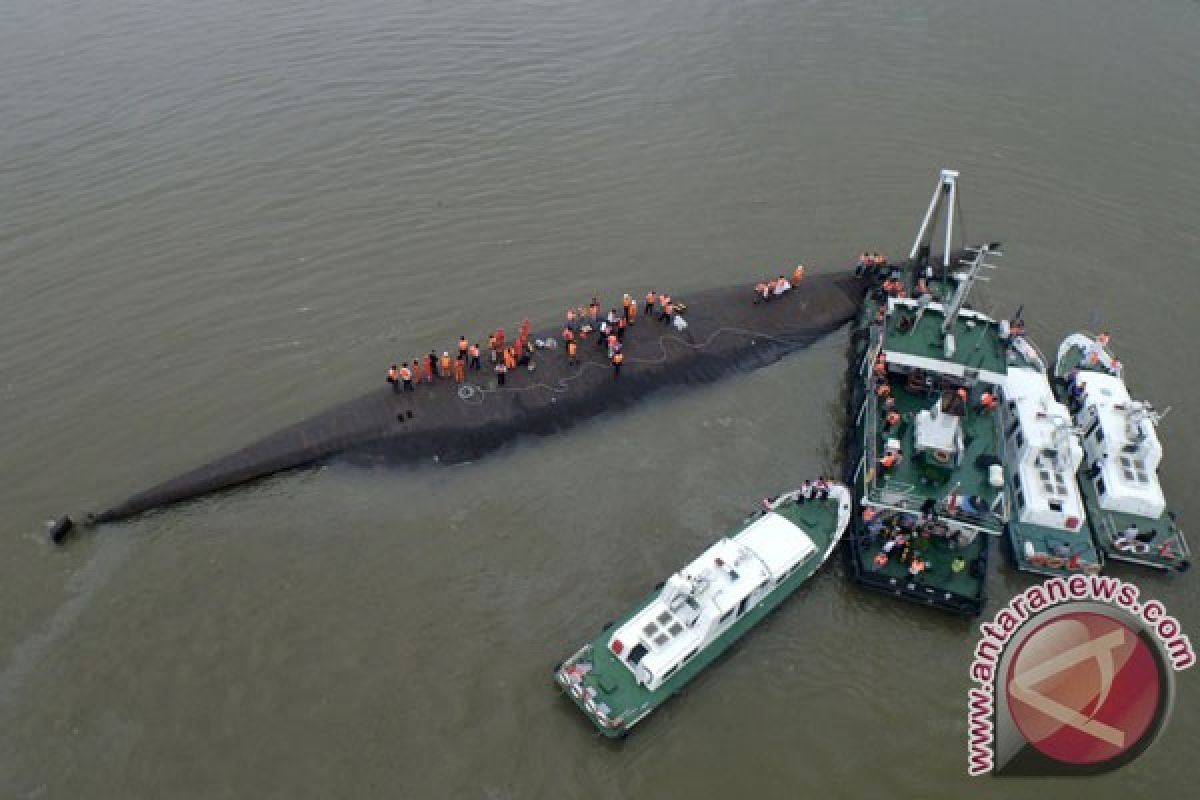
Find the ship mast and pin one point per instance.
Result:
(966, 280)
(945, 193)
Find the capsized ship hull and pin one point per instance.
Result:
(450, 423)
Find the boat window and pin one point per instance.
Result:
(1012, 428)
(670, 672)
(1020, 439)
(691, 601)
(1055, 505)
(661, 639)
(688, 657)
(635, 655)
(741, 609)
(1131, 449)
(1100, 487)
(1020, 499)
(1050, 455)
(1099, 434)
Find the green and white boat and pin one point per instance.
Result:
(636, 664)
(1042, 453)
(925, 455)
(1127, 511)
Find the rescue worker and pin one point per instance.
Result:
(510, 358)
(621, 323)
(500, 338)
(668, 310)
(570, 319)
(617, 360)
(445, 364)
(880, 367)
(760, 292)
(572, 352)
(916, 567)
(463, 347)
(492, 347)
(632, 312)
(460, 369)
(416, 368)
(880, 560)
(406, 376)
(432, 364)
(474, 354)
(568, 335)
(612, 344)
(890, 459)
(501, 371)
(651, 297)
(987, 402)
(797, 275)
(626, 302)
(1102, 339)
(594, 310)
(391, 378)
(892, 419)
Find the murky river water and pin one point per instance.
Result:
(218, 217)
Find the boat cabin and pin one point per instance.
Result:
(705, 598)
(1121, 446)
(1042, 453)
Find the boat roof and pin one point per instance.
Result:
(676, 622)
(1033, 404)
(778, 542)
(1130, 475)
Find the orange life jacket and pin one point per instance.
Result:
(405, 374)
(618, 359)
(392, 374)
(445, 363)
(463, 346)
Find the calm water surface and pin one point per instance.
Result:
(218, 217)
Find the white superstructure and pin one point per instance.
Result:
(701, 601)
(1120, 442)
(1042, 453)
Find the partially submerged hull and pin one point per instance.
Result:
(603, 687)
(450, 423)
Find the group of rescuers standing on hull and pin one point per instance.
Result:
(581, 323)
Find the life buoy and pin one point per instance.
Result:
(1140, 548)
(1055, 562)
(1038, 559)
(941, 456)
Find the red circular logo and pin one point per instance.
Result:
(1083, 688)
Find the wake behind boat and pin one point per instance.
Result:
(672, 635)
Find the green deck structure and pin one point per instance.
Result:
(922, 497)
